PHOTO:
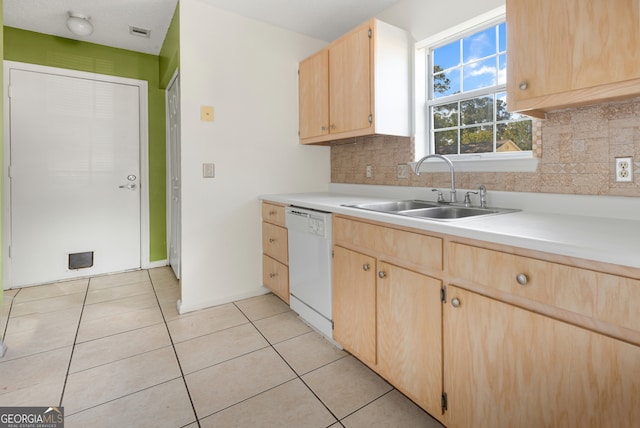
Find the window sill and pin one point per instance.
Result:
(478, 164)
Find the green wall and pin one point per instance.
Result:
(36, 48)
(170, 52)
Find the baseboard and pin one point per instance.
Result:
(185, 308)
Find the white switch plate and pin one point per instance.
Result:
(208, 170)
(369, 171)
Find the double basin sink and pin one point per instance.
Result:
(429, 210)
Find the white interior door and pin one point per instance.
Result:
(74, 177)
(173, 117)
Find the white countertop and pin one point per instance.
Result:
(609, 240)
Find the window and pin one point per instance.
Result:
(466, 101)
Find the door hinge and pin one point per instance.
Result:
(444, 402)
(10, 171)
(370, 33)
(443, 294)
(332, 325)
(10, 91)
(332, 254)
(370, 118)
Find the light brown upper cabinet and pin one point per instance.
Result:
(359, 85)
(567, 53)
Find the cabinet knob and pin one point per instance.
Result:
(522, 279)
(333, 126)
(272, 240)
(272, 213)
(455, 302)
(366, 267)
(323, 128)
(272, 275)
(523, 86)
(382, 274)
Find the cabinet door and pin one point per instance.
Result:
(410, 334)
(556, 46)
(354, 303)
(508, 367)
(313, 83)
(350, 82)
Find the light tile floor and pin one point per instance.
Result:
(114, 352)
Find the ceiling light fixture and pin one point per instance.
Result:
(79, 24)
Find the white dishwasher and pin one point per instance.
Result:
(310, 266)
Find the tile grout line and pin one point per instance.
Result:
(75, 339)
(3, 346)
(175, 352)
(288, 365)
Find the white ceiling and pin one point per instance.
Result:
(111, 19)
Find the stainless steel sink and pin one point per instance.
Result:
(449, 212)
(395, 206)
(430, 210)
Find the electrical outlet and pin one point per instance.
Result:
(403, 170)
(369, 171)
(624, 170)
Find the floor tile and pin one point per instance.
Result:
(282, 327)
(214, 348)
(346, 385)
(103, 327)
(46, 367)
(52, 320)
(308, 352)
(287, 405)
(118, 279)
(165, 405)
(113, 293)
(101, 384)
(44, 338)
(223, 385)
(46, 393)
(205, 321)
(113, 308)
(50, 304)
(52, 290)
(391, 410)
(123, 345)
(260, 307)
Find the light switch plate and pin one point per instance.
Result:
(208, 170)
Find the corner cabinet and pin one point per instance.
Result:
(359, 85)
(385, 313)
(567, 53)
(275, 251)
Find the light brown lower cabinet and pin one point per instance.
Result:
(508, 367)
(390, 318)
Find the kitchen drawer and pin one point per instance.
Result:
(274, 242)
(273, 213)
(275, 276)
(598, 295)
(399, 246)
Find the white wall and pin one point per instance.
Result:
(247, 71)
(426, 18)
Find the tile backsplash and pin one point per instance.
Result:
(576, 148)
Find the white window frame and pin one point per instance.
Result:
(489, 162)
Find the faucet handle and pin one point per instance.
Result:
(440, 195)
(467, 198)
(483, 195)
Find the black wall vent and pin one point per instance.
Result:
(81, 260)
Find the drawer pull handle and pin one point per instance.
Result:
(273, 275)
(455, 302)
(272, 213)
(382, 274)
(522, 279)
(272, 240)
(365, 267)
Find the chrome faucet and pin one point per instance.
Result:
(452, 197)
